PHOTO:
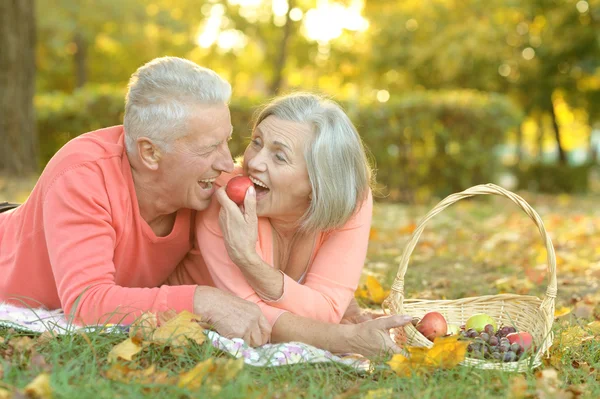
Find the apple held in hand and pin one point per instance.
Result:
(523, 339)
(237, 187)
(478, 322)
(432, 325)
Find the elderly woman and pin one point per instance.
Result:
(111, 214)
(298, 246)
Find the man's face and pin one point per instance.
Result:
(194, 161)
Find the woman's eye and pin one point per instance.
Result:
(256, 142)
(279, 158)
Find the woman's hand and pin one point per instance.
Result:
(355, 314)
(239, 227)
(372, 338)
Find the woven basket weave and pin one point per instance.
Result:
(524, 312)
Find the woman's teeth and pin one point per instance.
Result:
(258, 182)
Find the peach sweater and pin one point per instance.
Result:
(79, 240)
(329, 282)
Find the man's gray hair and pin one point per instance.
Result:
(161, 98)
(338, 168)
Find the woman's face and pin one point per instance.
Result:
(275, 163)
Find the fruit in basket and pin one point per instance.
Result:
(453, 329)
(432, 325)
(237, 187)
(478, 322)
(523, 339)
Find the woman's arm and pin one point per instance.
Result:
(370, 338)
(327, 291)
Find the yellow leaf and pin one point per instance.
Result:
(446, 353)
(179, 329)
(572, 337)
(39, 388)
(213, 372)
(562, 311)
(381, 393)
(123, 373)
(595, 327)
(518, 387)
(193, 378)
(143, 327)
(125, 350)
(376, 293)
(5, 393)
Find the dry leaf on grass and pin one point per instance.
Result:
(179, 329)
(143, 327)
(372, 291)
(124, 350)
(446, 353)
(122, 373)
(211, 372)
(39, 388)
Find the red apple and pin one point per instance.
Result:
(523, 338)
(432, 325)
(237, 187)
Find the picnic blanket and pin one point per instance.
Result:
(38, 320)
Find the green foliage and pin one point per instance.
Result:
(436, 143)
(424, 143)
(554, 179)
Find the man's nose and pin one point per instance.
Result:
(224, 162)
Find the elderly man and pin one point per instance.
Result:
(112, 213)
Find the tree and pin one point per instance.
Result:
(18, 152)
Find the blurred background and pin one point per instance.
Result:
(445, 93)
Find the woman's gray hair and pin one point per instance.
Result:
(161, 97)
(338, 168)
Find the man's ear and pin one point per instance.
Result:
(148, 152)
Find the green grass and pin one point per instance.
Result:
(465, 251)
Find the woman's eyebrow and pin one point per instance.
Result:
(281, 144)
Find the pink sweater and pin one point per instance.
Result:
(79, 240)
(329, 283)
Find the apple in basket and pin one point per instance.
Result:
(478, 322)
(432, 325)
(523, 339)
(237, 187)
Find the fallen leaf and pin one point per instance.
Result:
(5, 393)
(125, 350)
(22, 344)
(446, 353)
(211, 372)
(381, 393)
(123, 373)
(39, 388)
(562, 311)
(143, 327)
(372, 291)
(407, 229)
(518, 387)
(193, 379)
(178, 330)
(594, 326)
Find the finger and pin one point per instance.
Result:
(390, 345)
(265, 329)
(392, 321)
(224, 200)
(250, 204)
(256, 337)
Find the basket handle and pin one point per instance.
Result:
(482, 189)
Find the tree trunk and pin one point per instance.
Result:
(562, 155)
(18, 149)
(281, 59)
(80, 59)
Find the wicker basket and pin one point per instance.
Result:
(525, 313)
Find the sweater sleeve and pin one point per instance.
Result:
(224, 273)
(334, 274)
(81, 243)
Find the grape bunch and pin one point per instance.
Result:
(490, 344)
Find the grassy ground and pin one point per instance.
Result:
(476, 247)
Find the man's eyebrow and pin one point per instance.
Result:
(206, 147)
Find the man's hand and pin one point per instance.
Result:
(232, 317)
